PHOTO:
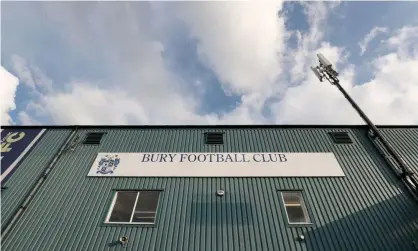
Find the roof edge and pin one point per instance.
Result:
(197, 126)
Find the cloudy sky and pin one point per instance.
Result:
(239, 62)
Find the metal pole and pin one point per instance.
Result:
(374, 129)
(324, 70)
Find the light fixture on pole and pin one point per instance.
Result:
(325, 70)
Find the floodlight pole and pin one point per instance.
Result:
(324, 70)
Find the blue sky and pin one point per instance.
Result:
(244, 62)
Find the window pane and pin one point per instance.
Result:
(139, 214)
(143, 220)
(122, 210)
(295, 208)
(296, 214)
(146, 207)
(292, 197)
(147, 201)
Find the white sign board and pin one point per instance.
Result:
(216, 165)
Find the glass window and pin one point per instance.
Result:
(134, 207)
(295, 207)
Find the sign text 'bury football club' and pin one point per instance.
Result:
(204, 164)
(213, 157)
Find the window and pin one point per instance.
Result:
(295, 207)
(341, 137)
(93, 138)
(214, 138)
(134, 207)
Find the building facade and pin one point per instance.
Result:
(205, 188)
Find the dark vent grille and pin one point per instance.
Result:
(214, 138)
(341, 137)
(93, 138)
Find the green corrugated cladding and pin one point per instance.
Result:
(368, 209)
(25, 176)
(405, 142)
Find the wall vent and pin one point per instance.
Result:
(341, 137)
(214, 138)
(93, 138)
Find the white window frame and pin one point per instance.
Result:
(110, 210)
(301, 204)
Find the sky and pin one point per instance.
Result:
(206, 63)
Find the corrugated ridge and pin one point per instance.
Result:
(366, 210)
(32, 166)
(405, 142)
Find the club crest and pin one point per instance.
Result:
(108, 164)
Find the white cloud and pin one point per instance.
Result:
(244, 43)
(294, 65)
(306, 100)
(370, 36)
(26, 119)
(141, 89)
(248, 112)
(240, 41)
(389, 98)
(30, 75)
(300, 59)
(393, 90)
(85, 104)
(314, 102)
(8, 88)
(405, 41)
(21, 68)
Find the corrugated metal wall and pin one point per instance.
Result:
(24, 178)
(405, 142)
(366, 210)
